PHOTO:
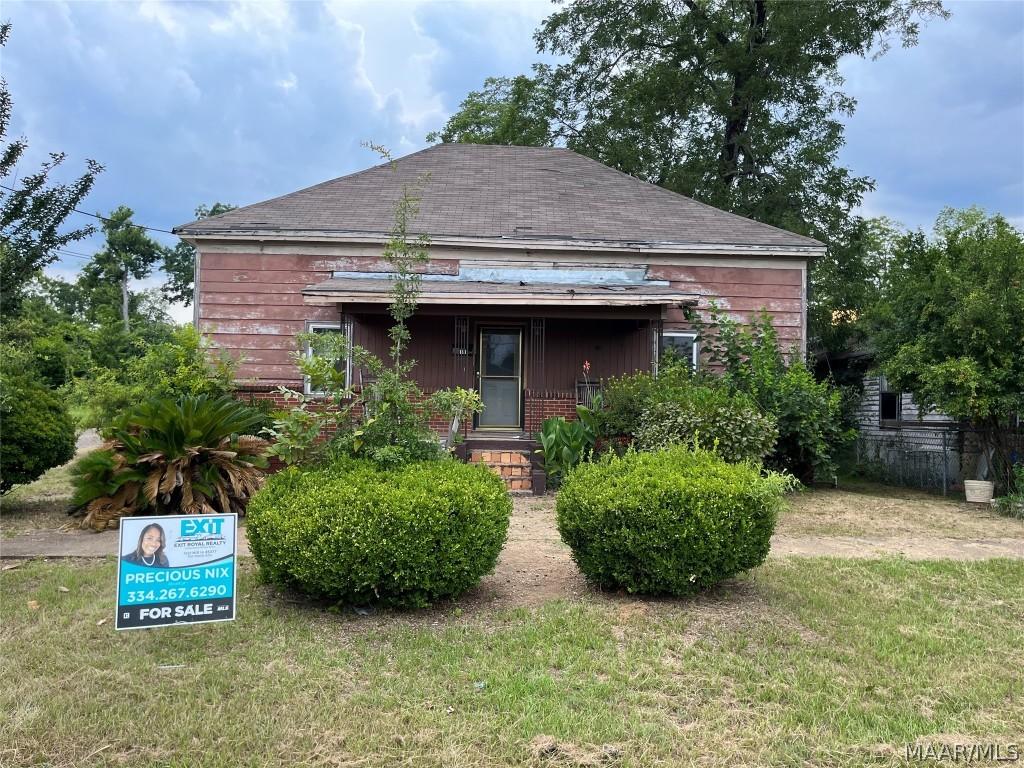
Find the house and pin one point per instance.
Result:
(540, 259)
(900, 443)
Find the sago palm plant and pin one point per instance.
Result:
(188, 456)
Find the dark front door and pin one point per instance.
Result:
(501, 377)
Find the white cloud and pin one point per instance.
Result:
(287, 83)
(164, 15)
(393, 60)
(355, 37)
(268, 21)
(184, 84)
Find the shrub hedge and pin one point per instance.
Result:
(357, 534)
(625, 398)
(671, 522)
(730, 424)
(37, 431)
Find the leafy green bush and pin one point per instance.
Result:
(395, 432)
(808, 413)
(265, 413)
(625, 398)
(811, 428)
(671, 522)
(355, 533)
(564, 444)
(1012, 504)
(194, 455)
(180, 366)
(730, 424)
(37, 430)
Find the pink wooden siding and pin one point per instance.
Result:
(251, 305)
(741, 292)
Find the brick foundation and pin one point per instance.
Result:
(541, 405)
(512, 466)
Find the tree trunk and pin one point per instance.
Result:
(124, 301)
(740, 105)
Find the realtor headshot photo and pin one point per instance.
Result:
(149, 551)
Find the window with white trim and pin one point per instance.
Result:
(344, 364)
(682, 344)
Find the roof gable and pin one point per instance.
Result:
(502, 192)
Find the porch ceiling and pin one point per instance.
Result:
(377, 291)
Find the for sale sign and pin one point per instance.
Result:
(176, 570)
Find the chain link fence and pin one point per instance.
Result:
(936, 459)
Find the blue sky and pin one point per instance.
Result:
(186, 103)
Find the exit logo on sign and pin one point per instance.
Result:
(196, 526)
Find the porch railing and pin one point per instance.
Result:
(585, 391)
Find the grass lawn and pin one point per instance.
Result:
(38, 505)
(802, 662)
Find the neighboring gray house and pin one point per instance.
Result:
(898, 442)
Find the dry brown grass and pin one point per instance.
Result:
(882, 511)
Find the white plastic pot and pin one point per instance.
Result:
(979, 491)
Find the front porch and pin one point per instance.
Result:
(522, 346)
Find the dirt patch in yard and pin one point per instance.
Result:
(40, 506)
(913, 548)
(43, 505)
(535, 566)
(886, 512)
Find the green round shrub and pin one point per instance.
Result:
(730, 424)
(37, 432)
(357, 534)
(671, 522)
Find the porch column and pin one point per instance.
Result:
(535, 374)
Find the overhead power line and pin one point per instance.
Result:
(141, 226)
(72, 255)
(102, 218)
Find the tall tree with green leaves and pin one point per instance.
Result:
(128, 253)
(949, 327)
(180, 261)
(33, 209)
(847, 281)
(734, 102)
(737, 103)
(508, 110)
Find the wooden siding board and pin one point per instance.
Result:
(255, 341)
(258, 261)
(266, 312)
(243, 298)
(253, 288)
(741, 290)
(271, 276)
(726, 275)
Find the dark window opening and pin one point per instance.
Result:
(889, 404)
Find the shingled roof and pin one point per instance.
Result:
(500, 192)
